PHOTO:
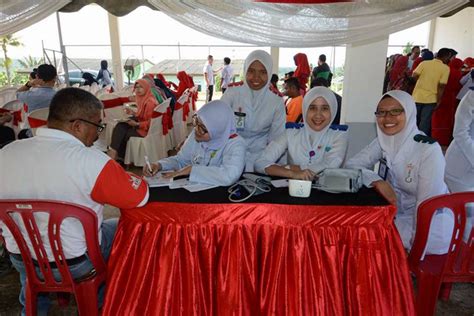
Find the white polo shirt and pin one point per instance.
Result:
(55, 165)
(207, 71)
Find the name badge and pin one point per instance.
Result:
(239, 121)
(383, 169)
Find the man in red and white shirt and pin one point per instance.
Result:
(60, 164)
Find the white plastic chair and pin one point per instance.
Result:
(111, 115)
(152, 145)
(16, 106)
(94, 88)
(7, 94)
(38, 119)
(104, 90)
(179, 132)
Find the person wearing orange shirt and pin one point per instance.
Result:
(294, 105)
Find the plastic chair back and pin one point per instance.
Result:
(455, 266)
(84, 291)
(38, 118)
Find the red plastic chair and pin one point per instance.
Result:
(439, 271)
(84, 290)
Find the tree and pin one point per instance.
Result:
(7, 41)
(30, 62)
(407, 48)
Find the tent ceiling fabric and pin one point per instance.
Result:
(16, 15)
(303, 25)
(115, 7)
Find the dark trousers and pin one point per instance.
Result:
(209, 92)
(7, 135)
(223, 90)
(424, 111)
(120, 136)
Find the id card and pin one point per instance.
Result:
(383, 169)
(239, 121)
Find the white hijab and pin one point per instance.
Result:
(218, 118)
(392, 145)
(258, 96)
(313, 138)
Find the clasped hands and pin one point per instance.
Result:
(155, 167)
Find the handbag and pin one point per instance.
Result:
(339, 180)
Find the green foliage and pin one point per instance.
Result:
(15, 80)
(407, 48)
(31, 62)
(6, 41)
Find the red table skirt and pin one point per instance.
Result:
(258, 259)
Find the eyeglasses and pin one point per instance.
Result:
(393, 112)
(199, 125)
(100, 127)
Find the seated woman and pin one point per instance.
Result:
(137, 125)
(459, 173)
(411, 169)
(212, 154)
(311, 148)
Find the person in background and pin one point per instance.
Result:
(399, 74)
(88, 79)
(41, 96)
(104, 77)
(466, 81)
(431, 77)
(209, 78)
(414, 54)
(322, 70)
(459, 174)
(212, 154)
(259, 110)
(302, 71)
(294, 105)
(137, 125)
(274, 81)
(59, 163)
(321, 82)
(312, 148)
(411, 169)
(227, 74)
(7, 134)
(33, 74)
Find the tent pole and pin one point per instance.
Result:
(117, 66)
(63, 49)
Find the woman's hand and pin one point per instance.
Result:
(133, 123)
(183, 172)
(386, 190)
(128, 111)
(155, 167)
(305, 174)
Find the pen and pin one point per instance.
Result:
(148, 164)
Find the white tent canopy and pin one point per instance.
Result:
(267, 23)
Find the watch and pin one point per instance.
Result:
(27, 84)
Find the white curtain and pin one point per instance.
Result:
(303, 25)
(16, 15)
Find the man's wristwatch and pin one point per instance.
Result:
(27, 84)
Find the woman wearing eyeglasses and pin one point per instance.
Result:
(311, 148)
(411, 169)
(212, 154)
(136, 126)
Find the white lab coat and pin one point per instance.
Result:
(330, 154)
(221, 167)
(263, 123)
(459, 173)
(416, 175)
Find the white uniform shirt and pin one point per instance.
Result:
(217, 167)
(330, 154)
(460, 155)
(55, 165)
(207, 71)
(416, 175)
(263, 123)
(227, 73)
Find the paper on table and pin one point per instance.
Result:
(196, 187)
(180, 183)
(282, 183)
(158, 181)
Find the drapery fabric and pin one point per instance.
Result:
(16, 15)
(258, 259)
(303, 25)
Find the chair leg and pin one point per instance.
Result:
(31, 301)
(427, 296)
(445, 291)
(87, 299)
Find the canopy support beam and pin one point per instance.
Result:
(116, 51)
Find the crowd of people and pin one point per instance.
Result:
(245, 131)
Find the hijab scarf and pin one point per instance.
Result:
(218, 118)
(393, 145)
(303, 70)
(143, 100)
(258, 97)
(313, 138)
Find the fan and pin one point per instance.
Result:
(132, 68)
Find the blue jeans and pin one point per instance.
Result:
(424, 112)
(78, 270)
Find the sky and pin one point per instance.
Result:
(145, 26)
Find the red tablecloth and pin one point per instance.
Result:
(258, 259)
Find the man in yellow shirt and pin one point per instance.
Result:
(295, 103)
(431, 77)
